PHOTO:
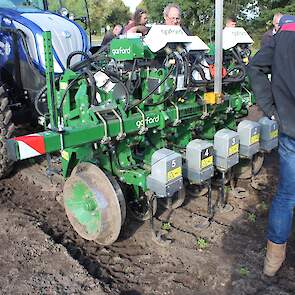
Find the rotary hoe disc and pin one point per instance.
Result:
(243, 169)
(92, 204)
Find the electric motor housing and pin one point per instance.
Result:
(199, 161)
(226, 149)
(166, 173)
(269, 134)
(249, 134)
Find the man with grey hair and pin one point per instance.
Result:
(266, 38)
(172, 16)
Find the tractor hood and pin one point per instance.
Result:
(67, 36)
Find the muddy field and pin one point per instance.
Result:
(41, 254)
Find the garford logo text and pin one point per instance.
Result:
(148, 120)
(121, 51)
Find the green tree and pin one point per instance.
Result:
(198, 16)
(102, 13)
(266, 10)
(108, 12)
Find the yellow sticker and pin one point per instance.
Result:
(274, 133)
(255, 138)
(246, 60)
(207, 162)
(174, 173)
(65, 155)
(233, 149)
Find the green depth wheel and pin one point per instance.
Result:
(94, 206)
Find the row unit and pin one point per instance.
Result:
(202, 156)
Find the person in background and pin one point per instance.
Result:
(138, 22)
(172, 16)
(231, 22)
(109, 36)
(267, 36)
(277, 100)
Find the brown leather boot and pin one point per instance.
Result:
(275, 256)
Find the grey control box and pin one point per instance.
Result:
(269, 134)
(226, 149)
(199, 161)
(166, 173)
(249, 134)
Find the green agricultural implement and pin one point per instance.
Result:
(139, 122)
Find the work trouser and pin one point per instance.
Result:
(281, 211)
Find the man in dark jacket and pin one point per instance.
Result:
(277, 100)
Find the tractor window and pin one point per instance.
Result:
(75, 8)
(23, 5)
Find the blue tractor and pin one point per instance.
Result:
(22, 62)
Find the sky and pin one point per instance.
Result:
(132, 4)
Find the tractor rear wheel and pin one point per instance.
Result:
(6, 130)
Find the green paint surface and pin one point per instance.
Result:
(83, 206)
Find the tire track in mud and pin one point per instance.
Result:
(135, 262)
(125, 265)
(117, 267)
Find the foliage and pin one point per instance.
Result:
(202, 243)
(244, 272)
(255, 15)
(252, 217)
(166, 226)
(198, 16)
(102, 13)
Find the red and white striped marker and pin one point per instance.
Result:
(30, 146)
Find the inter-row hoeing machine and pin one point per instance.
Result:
(138, 122)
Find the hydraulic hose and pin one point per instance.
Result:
(92, 85)
(74, 53)
(154, 89)
(36, 101)
(71, 84)
(86, 63)
(171, 92)
(38, 97)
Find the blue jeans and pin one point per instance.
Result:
(281, 211)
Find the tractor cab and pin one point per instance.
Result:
(22, 61)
